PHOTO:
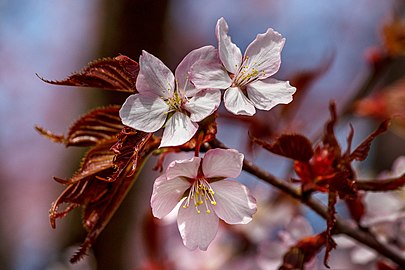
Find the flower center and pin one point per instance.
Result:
(201, 193)
(247, 73)
(176, 102)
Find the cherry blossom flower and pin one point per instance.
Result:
(246, 80)
(165, 99)
(205, 195)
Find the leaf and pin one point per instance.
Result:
(97, 162)
(356, 207)
(329, 138)
(330, 223)
(95, 126)
(117, 73)
(295, 146)
(303, 252)
(361, 152)
(105, 177)
(382, 185)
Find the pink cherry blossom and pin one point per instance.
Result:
(246, 80)
(206, 196)
(165, 99)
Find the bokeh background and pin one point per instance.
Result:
(55, 38)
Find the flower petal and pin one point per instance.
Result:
(167, 194)
(229, 53)
(237, 103)
(145, 113)
(197, 230)
(268, 93)
(210, 74)
(179, 130)
(154, 76)
(264, 53)
(183, 168)
(222, 163)
(235, 204)
(206, 53)
(203, 104)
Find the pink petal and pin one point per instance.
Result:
(264, 53)
(210, 74)
(154, 77)
(268, 93)
(197, 230)
(206, 53)
(167, 194)
(222, 163)
(237, 103)
(179, 130)
(183, 168)
(203, 104)
(229, 53)
(145, 113)
(235, 204)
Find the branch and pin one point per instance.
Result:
(341, 225)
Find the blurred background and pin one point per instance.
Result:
(56, 38)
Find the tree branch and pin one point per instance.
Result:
(341, 225)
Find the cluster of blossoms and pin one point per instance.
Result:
(178, 102)
(184, 103)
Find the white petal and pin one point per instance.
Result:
(237, 103)
(229, 53)
(222, 163)
(154, 76)
(206, 74)
(363, 255)
(197, 230)
(264, 53)
(145, 113)
(203, 104)
(268, 93)
(235, 204)
(207, 54)
(179, 130)
(183, 168)
(167, 194)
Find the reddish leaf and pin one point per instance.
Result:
(97, 162)
(394, 37)
(117, 73)
(98, 159)
(103, 181)
(50, 135)
(330, 223)
(382, 185)
(361, 152)
(97, 125)
(293, 146)
(304, 251)
(383, 264)
(329, 138)
(356, 207)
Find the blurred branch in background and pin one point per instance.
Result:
(128, 27)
